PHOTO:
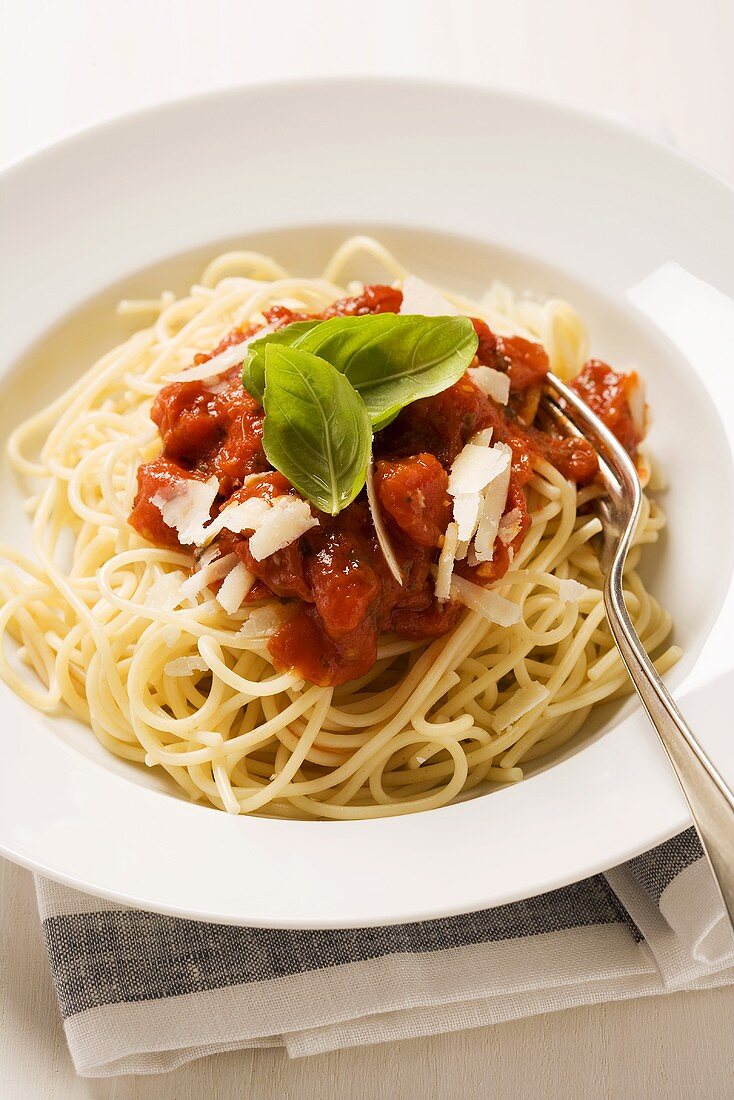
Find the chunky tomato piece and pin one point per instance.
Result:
(617, 399)
(440, 425)
(414, 492)
(373, 299)
(487, 347)
(573, 457)
(343, 581)
(302, 643)
(527, 362)
(428, 622)
(214, 426)
(279, 316)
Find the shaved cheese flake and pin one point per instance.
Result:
(488, 603)
(288, 519)
(493, 382)
(419, 297)
(380, 530)
(210, 554)
(247, 515)
(466, 514)
(184, 666)
(187, 508)
(462, 549)
(230, 357)
(524, 700)
(495, 500)
(165, 592)
(261, 622)
(474, 467)
(446, 562)
(510, 526)
(235, 587)
(482, 438)
(571, 591)
(202, 578)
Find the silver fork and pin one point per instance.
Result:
(710, 799)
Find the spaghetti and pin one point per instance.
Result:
(111, 627)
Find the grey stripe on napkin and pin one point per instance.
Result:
(657, 869)
(131, 955)
(142, 992)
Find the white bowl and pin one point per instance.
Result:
(465, 186)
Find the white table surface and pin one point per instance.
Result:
(663, 65)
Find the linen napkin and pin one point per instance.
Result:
(144, 993)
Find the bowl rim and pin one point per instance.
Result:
(29, 854)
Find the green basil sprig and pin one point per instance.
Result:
(253, 368)
(390, 359)
(316, 431)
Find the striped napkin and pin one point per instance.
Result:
(144, 993)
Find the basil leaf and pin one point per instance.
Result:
(317, 430)
(393, 360)
(390, 359)
(253, 368)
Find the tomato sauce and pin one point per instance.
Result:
(617, 399)
(339, 595)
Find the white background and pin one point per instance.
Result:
(664, 66)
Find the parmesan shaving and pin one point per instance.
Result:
(235, 587)
(275, 524)
(524, 700)
(289, 518)
(420, 298)
(462, 550)
(475, 466)
(261, 623)
(488, 603)
(187, 509)
(478, 482)
(466, 514)
(493, 382)
(230, 357)
(571, 591)
(495, 500)
(446, 562)
(210, 554)
(202, 578)
(247, 515)
(383, 538)
(510, 526)
(165, 592)
(184, 666)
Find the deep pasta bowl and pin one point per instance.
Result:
(546, 200)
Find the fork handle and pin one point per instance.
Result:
(710, 799)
